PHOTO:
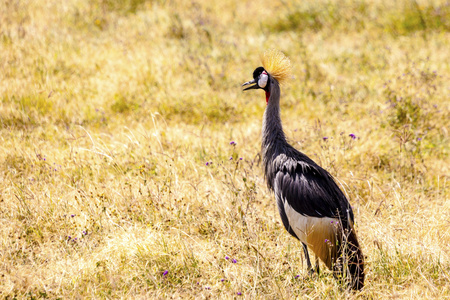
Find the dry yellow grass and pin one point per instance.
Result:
(111, 110)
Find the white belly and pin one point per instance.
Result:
(309, 229)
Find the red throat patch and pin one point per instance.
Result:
(267, 97)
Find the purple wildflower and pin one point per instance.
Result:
(352, 136)
(207, 163)
(326, 240)
(208, 288)
(231, 158)
(234, 261)
(325, 138)
(165, 272)
(233, 143)
(419, 139)
(72, 215)
(297, 276)
(239, 293)
(227, 258)
(240, 158)
(223, 279)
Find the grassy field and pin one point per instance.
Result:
(118, 179)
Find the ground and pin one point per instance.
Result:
(119, 178)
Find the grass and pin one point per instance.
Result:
(115, 157)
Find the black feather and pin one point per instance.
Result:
(309, 189)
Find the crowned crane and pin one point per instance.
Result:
(312, 207)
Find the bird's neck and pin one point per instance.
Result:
(273, 138)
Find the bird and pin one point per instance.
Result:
(312, 207)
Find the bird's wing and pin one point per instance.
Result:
(311, 191)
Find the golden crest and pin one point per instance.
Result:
(277, 64)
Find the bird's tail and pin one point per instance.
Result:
(349, 267)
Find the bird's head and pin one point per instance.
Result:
(276, 66)
(260, 80)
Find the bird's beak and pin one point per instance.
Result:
(250, 87)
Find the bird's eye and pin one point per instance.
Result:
(262, 81)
